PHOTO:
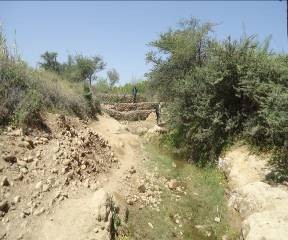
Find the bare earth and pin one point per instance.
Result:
(66, 183)
(57, 195)
(263, 207)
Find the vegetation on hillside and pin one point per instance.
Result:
(25, 93)
(219, 90)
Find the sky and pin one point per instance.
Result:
(120, 31)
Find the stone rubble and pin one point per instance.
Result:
(38, 170)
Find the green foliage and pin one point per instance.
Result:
(219, 90)
(13, 85)
(25, 93)
(122, 93)
(204, 199)
(28, 111)
(102, 86)
(113, 76)
(93, 106)
(50, 62)
(81, 68)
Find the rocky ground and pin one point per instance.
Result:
(50, 181)
(263, 207)
(42, 169)
(78, 180)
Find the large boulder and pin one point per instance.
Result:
(268, 225)
(258, 196)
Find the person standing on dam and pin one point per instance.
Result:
(158, 112)
(134, 93)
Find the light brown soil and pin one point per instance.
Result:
(55, 196)
(263, 207)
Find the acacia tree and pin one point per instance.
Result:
(50, 61)
(88, 67)
(113, 77)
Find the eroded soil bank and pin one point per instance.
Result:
(263, 207)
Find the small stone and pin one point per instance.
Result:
(39, 211)
(86, 183)
(66, 162)
(10, 159)
(130, 201)
(17, 199)
(217, 219)
(28, 144)
(24, 170)
(142, 188)
(39, 185)
(5, 182)
(18, 178)
(150, 225)
(16, 133)
(26, 212)
(56, 149)
(224, 237)
(28, 159)
(4, 206)
(172, 184)
(45, 187)
(44, 139)
(21, 163)
(132, 170)
(38, 154)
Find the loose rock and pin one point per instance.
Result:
(5, 182)
(173, 184)
(4, 206)
(10, 159)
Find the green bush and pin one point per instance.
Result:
(219, 90)
(13, 85)
(102, 86)
(29, 109)
(25, 92)
(92, 104)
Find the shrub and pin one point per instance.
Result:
(219, 90)
(25, 92)
(29, 109)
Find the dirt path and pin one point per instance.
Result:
(126, 146)
(76, 217)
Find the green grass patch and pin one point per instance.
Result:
(204, 200)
